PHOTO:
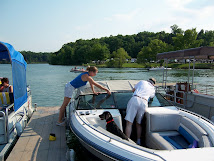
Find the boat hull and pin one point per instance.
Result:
(105, 147)
(93, 150)
(162, 120)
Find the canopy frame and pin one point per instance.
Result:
(191, 54)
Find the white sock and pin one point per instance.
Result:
(138, 141)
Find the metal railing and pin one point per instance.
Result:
(173, 98)
(3, 118)
(184, 102)
(205, 89)
(4, 115)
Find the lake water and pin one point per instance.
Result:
(47, 81)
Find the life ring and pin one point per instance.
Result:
(179, 101)
(196, 91)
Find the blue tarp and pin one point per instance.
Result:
(7, 52)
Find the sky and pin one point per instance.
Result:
(46, 25)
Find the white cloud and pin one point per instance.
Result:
(178, 4)
(183, 8)
(189, 14)
(206, 12)
(124, 17)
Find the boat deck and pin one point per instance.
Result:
(34, 142)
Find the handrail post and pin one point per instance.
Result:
(6, 123)
(188, 75)
(193, 72)
(2, 114)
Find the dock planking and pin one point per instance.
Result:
(34, 144)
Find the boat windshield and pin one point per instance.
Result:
(122, 99)
(116, 100)
(101, 101)
(159, 101)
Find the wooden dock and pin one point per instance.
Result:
(34, 144)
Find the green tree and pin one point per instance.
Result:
(119, 58)
(128, 44)
(99, 52)
(53, 59)
(208, 38)
(149, 52)
(67, 54)
(143, 55)
(143, 45)
(82, 54)
(114, 42)
(187, 40)
(32, 57)
(211, 44)
(176, 30)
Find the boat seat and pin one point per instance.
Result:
(169, 130)
(96, 121)
(4, 98)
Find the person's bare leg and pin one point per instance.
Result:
(139, 131)
(62, 108)
(128, 130)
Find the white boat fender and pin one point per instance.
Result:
(19, 128)
(70, 155)
(212, 118)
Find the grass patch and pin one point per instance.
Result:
(94, 64)
(186, 66)
(133, 65)
(204, 66)
(174, 65)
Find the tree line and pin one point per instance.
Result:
(33, 57)
(115, 49)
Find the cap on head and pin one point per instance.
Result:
(152, 80)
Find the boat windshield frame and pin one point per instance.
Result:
(115, 101)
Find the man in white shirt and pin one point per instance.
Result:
(136, 106)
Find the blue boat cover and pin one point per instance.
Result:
(7, 52)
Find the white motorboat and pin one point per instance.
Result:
(158, 68)
(169, 133)
(77, 71)
(15, 108)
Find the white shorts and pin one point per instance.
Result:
(135, 108)
(69, 89)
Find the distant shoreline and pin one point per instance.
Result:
(150, 65)
(145, 66)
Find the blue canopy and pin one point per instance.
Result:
(7, 52)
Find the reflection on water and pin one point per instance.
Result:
(197, 73)
(123, 71)
(47, 81)
(184, 74)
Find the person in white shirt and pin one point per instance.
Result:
(136, 106)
